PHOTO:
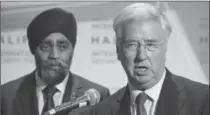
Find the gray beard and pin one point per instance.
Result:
(51, 77)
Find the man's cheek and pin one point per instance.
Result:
(129, 63)
(156, 62)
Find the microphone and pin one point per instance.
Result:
(91, 96)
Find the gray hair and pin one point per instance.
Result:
(142, 11)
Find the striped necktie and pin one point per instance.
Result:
(140, 100)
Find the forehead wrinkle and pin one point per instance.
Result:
(136, 33)
(55, 38)
(147, 30)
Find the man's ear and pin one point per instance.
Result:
(118, 48)
(118, 52)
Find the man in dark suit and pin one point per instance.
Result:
(52, 39)
(142, 33)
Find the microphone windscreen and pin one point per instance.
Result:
(93, 95)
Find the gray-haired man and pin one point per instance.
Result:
(142, 33)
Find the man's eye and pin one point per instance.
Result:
(63, 47)
(151, 45)
(131, 45)
(44, 47)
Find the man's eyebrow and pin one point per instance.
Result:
(62, 41)
(129, 40)
(152, 40)
(146, 40)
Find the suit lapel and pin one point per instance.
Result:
(171, 98)
(125, 104)
(120, 103)
(76, 88)
(68, 90)
(26, 96)
(73, 90)
(183, 105)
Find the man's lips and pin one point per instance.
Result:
(141, 69)
(54, 66)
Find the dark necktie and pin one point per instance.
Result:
(140, 100)
(48, 93)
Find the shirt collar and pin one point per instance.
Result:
(153, 92)
(41, 84)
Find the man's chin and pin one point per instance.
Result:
(53, 79)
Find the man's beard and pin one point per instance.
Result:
(53, 75)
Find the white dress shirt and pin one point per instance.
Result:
(153, 93)
(57, 97)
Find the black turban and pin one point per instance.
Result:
(53, 20)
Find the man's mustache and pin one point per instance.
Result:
(55, 63)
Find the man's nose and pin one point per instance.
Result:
(141, 53)
(54, 53)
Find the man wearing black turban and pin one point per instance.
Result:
(52, 38)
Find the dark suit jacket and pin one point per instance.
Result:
(19, 96)
(179, 96)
